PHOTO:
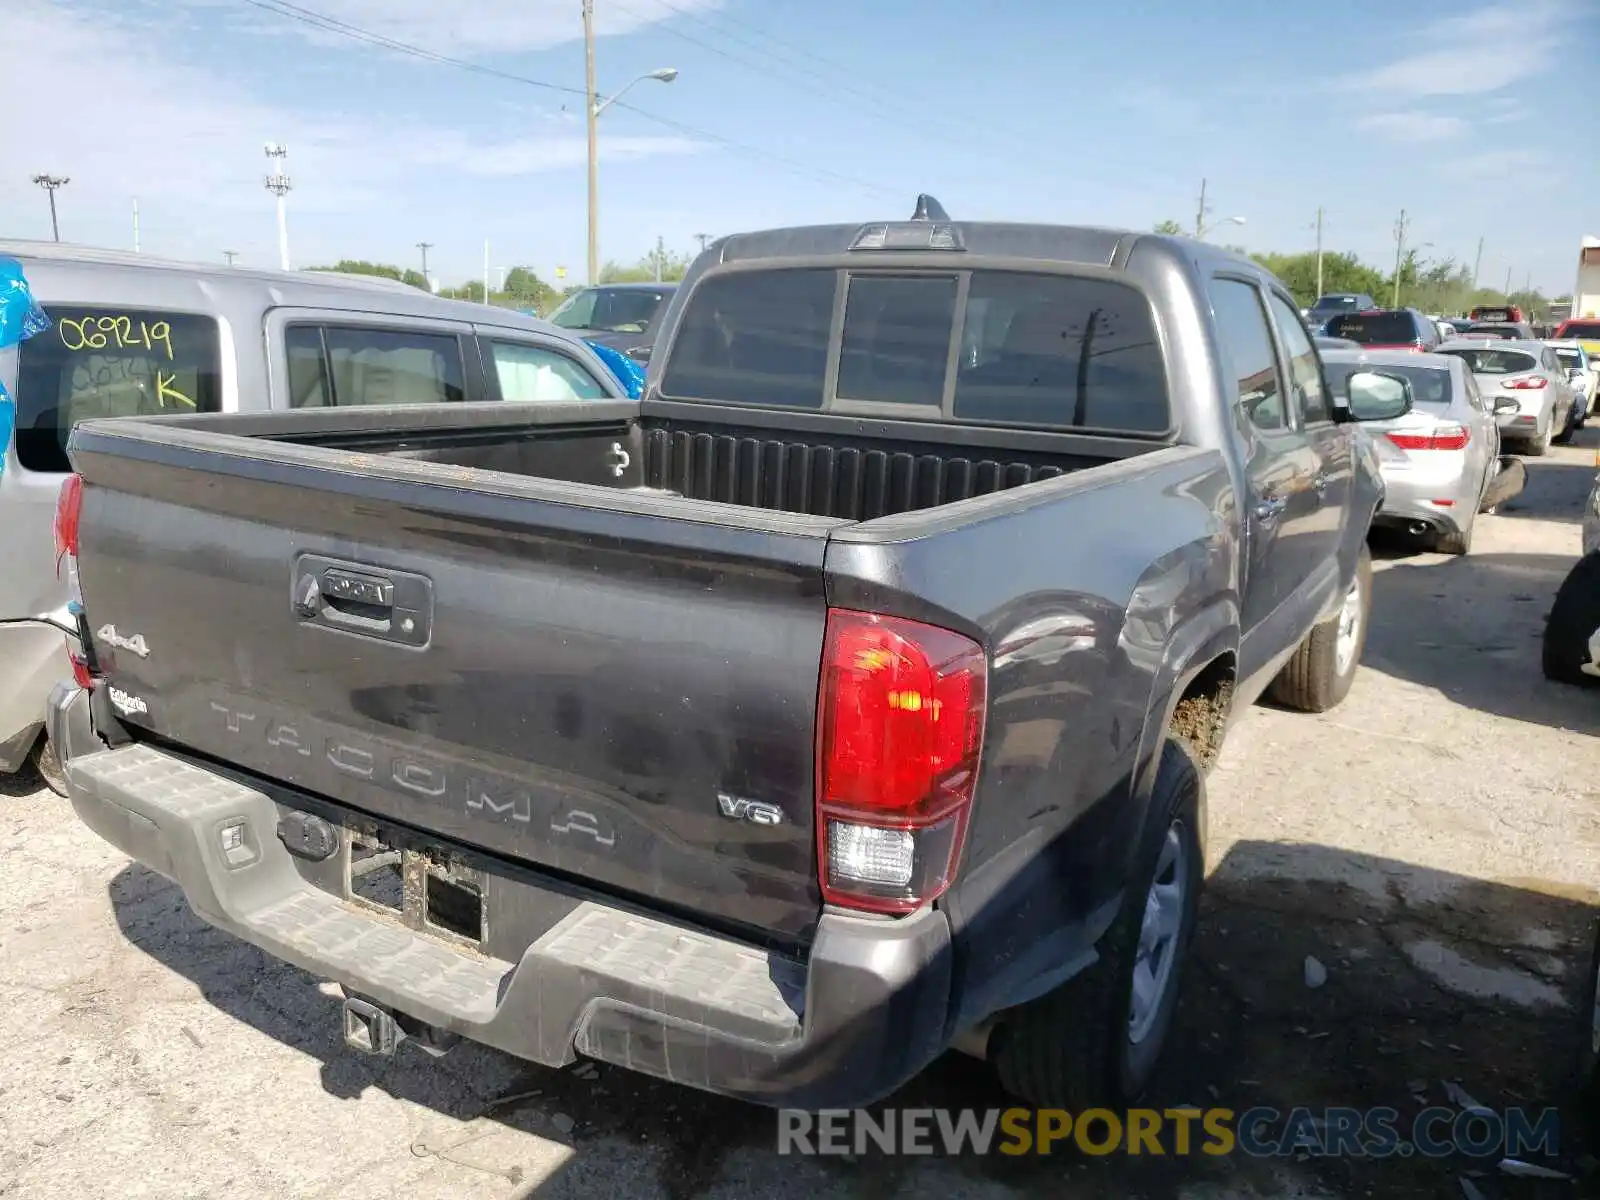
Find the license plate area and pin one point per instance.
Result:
(425, 890)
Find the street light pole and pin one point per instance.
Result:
(1319, 251)
(230, 255)
(703, 238)
(592, 113)
(50, 183)
(1399, 248)
(424, 247)
(278, 184)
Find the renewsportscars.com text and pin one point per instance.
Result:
(1261, 1132)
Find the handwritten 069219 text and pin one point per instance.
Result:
(114, 331)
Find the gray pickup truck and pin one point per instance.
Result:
(843, 700)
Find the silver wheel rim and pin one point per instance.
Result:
(1157, 953)
(1344, 648)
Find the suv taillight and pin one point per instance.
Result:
(69, 509)
(900, 716)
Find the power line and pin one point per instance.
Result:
(284, 8)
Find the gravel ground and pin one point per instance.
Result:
(1433, 843)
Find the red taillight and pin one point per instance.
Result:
(900, 716)
(80, 669)
(69, 504)
(1445, 437)
(1529, 383)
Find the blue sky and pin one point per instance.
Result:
(1462, 114)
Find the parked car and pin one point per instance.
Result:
(1505, 331)
(1583, 331)
(134, 334)
(725, 735)
(1496, 312)
(1439, 460)
(1571, 649)
(1386, 329)
(1591, 518)
(1530, 374)
(1583, 372)
(622, 316)
(1336, 303)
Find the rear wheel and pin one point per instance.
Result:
(1573, 619)
(1538, 447)
(1095, 1041)
(1323, 666)
(48, 764)
(1455, 543)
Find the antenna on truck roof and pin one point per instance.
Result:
(929, 209)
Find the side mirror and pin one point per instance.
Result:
(1574, 373)
(1506, 405)
(1375, 396)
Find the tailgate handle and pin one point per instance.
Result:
(392, 606)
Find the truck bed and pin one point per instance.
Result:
(603, 621)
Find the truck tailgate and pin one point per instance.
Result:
(586, 679)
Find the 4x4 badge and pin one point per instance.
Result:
(133, 645)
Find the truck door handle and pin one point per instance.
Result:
(1320, 483)
(1270, 509)
(375, 602)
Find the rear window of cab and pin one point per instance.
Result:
(1021, 348)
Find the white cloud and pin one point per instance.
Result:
(114, 104)
(1474, 53)
(1415, 126)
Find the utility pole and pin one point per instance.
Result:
(1476, 264)
(660, 254)
(278, 184)
(136, 224)
(703, 238)
(486, 270)
(1200, 213)
(1399, 252)
(230, 255)
(1319, 251)
(589, 107)
(424, 247)
(1508, 281)
(50, 183)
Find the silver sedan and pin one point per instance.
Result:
(1528, 373)
(1438, 460)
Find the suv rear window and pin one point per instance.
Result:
(1587, 330)
(1374, 329)
(1036, 349)
(1495, 362)
(104, 361)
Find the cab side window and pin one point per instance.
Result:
(1305, 368)
(1247, 346)
(347, 365)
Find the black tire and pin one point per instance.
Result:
(1589, 1037)
(1071, 1048)
(1573, 618)
(1311, 681)
(1459, 544)
(1536, 447)
(46, 762)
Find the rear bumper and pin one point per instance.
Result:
(863, 1014)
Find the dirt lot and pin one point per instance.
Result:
(1433, 843)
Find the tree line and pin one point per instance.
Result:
(1443, 286)
(522, 288)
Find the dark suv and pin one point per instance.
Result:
(1387, 329)
(1336, 304)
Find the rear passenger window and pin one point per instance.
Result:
(1305, 370)
(1060, 350)
(757, 337)
(897, 338)
(105, 361)
(535, 373)
(349, 366)
(1242, 326)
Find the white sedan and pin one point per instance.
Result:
(1584, 373)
